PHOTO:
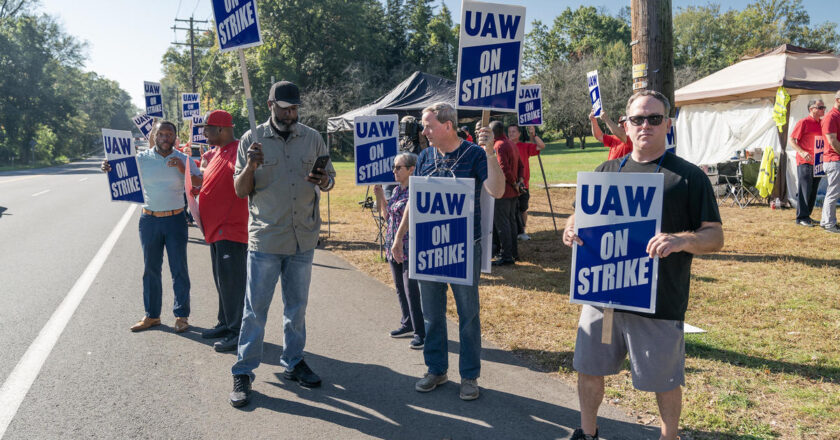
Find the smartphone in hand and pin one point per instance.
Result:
(320, 163)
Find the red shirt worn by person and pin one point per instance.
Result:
(526, 151)
(223, 214)
(469, 138)
(806, 130)
(617, 148)
(508, 156)
(208, 155)
(831, 124)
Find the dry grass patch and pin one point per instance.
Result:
(769, 366)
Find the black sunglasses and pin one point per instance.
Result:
(396, 167)
(819, 107)
(652, 119)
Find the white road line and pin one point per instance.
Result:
(16, 179)
(17, 385)
(83, 179)
(40, 192)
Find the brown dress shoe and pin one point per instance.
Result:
(181, 325)
(145, 323)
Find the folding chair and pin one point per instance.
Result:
(728, 183)
(748, 174)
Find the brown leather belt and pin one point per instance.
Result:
(162, 213)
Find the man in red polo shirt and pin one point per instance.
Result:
(504, 210)
(619, 144)
(526, 151)
(802, 139)
(831, 164)
(225, 220)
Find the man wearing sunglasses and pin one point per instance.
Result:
(802, 139)
(831, 164)
(690, 226)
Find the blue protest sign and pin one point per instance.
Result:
(189, 105)
(154, 99)
(144, 123)
(594, 92)
(819, 151)
(237, 24)
(197, 136)
(375, 140)
(124, 178)
(489, 55)
(671, 137)
(616, 215)
(440, 233)
(529, 105)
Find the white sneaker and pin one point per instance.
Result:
(523, 237)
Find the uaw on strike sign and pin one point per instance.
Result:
(616, 214)
(124, 178)
(375, 140)
(440, 234)
(490, 50)
(237, 24)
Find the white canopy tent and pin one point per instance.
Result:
(732, 109)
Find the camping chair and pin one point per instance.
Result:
(728, 182)
(748, 172)
(736, 180)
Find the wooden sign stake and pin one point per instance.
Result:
(607, 325)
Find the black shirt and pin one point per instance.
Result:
(688, 201)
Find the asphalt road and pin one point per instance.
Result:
(99, 380)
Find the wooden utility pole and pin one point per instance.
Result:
(192, 46)
(652, 43)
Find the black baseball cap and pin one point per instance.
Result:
(285, 93)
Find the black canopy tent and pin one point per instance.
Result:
(409, 97)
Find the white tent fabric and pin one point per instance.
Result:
(715, 132)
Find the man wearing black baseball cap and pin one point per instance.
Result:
(275, 169)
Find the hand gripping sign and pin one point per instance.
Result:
(529, 105)
(616, 214)
(594, 92)
(189, 106)
(154, 101)
(237, 24)
(144, 123)
(375, 139)
(440, 235)
(489, 55)
(124, 177)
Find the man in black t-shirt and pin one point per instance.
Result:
(691, 226)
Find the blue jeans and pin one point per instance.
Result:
(436, 350)
(294, 272)
(157, 233)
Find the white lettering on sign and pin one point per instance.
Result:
(376, 151)
(614, 245)
(230, 4)
(490, 60)
(442, 256)
(122, 170)
(440, 234)
(611, 276)
(374, 169)
(491, 25)
(123, 187)
(483, 86)
(235, 23)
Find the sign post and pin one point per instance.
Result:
(154, 99)
(124, 178)
(375, 139)
(237, 28)
(616, 215)
(440, 234)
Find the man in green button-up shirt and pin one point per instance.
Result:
(274, 169)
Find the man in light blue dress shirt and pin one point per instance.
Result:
(163, 224)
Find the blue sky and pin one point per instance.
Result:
(126, 39)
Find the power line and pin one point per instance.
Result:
(196, 6)
(179, 8)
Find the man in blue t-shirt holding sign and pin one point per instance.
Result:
(691, 226)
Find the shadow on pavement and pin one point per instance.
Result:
(378, 401)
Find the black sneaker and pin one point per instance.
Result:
(833, 229)
(579, 435)
(804, 222)
(402, 331)
(303, 375)
(241, 394)
(229, 343)
(416, 343)
(219, 331)
(502, 262)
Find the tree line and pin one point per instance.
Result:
(346, 53)
(51, 110)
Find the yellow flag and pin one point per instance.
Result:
(780, 109)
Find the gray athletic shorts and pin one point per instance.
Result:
(656, 347)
